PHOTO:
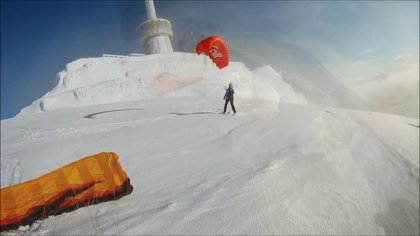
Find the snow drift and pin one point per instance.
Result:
(103, 80)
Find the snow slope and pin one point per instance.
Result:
(276, 167)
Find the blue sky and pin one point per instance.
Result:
(354, 40)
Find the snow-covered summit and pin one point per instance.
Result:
(91, 81)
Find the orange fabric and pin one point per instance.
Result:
(90, 180)
(216, 48)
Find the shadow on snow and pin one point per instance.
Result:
(91, 116)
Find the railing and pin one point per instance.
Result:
(122, 56)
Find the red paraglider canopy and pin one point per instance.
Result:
(216, 48)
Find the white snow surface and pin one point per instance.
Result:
(278, 166)
(90, 81)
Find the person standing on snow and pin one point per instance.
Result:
(229, 98)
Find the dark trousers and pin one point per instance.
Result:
(229, 99)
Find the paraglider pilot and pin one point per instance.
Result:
(229, 98)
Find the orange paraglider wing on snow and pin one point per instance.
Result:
(90, 180)
(216, 48)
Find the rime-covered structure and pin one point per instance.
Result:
(155, 33)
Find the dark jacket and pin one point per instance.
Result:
(229, 92)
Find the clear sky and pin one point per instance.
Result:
(355, 40)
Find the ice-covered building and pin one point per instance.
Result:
(155, 33)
